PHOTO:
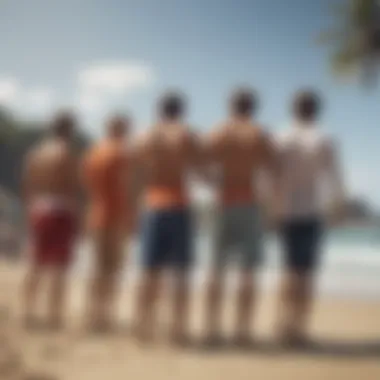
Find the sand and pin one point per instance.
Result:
(349, 332)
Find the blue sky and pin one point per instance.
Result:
(106, 55)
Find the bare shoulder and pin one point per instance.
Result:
(63, 152)
(260, 134)
(43, 151)
(60, 154)
(141, 144)
(193, 137)
(149, 137)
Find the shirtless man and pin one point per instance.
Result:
(239, 150)
(308, 160)
(106, 175)
(51, 199)
(164, 155)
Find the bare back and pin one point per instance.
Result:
(240, 151)
(51, 170)
(165, 154)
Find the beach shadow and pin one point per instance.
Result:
(327, 348)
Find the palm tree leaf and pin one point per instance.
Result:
(362, 13)
(344, 63)
(356, 39)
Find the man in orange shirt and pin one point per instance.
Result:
(110, 215)
(239, 149)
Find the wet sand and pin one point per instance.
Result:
(348, 332)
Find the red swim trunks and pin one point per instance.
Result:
(53, 226)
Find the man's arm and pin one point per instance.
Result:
(270, 177)
(136, 178)
(269, 155)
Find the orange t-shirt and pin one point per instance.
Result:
(105, 177)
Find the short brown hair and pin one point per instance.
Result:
(172, 105)
(118, 125)
(307, 104)
(243, 101)
(63, 124)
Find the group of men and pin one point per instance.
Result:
(145, 179)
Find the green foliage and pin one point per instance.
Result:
(355, 41)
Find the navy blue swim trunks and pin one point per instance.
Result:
(301, 242)
(167, 239)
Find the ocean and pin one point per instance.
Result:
(350, 263)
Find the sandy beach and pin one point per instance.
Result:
(349, 332)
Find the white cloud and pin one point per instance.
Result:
(115, 77)
(15, 95)
(40, 98)
(88, 101)
(105, 85)
(9, 91)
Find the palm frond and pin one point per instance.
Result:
(356, 40)
(344, 62)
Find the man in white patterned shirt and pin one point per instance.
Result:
(307, 165)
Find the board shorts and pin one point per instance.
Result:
(238, 237)
(167, 238)
(53, 230)
(301, 241)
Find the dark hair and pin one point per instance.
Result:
(172, 105)
(118, 125)
(63, 124)
(243, 102)
(307, 105)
